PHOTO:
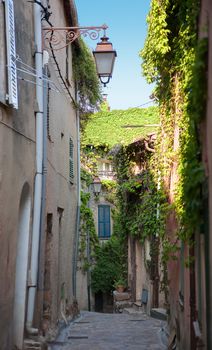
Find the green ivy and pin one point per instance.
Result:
(111, 261)
(85, 75)
(106, 128)
(87, 226)
(143, 207)
(176, 60)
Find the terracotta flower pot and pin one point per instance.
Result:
(120, 288)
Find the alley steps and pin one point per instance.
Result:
(134, 308)
(30, 344)
(137, 306)
(159, 313)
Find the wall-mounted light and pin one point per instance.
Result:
(97, 186)
(104, 55)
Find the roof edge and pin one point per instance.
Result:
(71, 12)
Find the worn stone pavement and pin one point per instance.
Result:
(97, 331)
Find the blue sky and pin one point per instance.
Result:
(127, 30)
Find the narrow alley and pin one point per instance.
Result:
(98, 331)
(106, 175)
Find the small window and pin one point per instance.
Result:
(104, 230)
(71, 161)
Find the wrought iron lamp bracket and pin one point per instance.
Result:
(60, 37)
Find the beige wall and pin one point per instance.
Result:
(61, 194)
(17, 154)
(142, 276)
(17, 167)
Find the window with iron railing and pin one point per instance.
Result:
(105, 170)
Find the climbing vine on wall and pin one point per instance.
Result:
(108, 127)
(85, 76)
(87, 226)
(143, 206)
(176, 61)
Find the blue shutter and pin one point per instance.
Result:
(101, 221)
(104, 221)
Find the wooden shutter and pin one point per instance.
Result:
(101, 221)
(104, 221)
(71, 160)
(11, 54)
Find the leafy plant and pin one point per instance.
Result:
(176, 60)
(85, 75)
(110, 264)
(107, 128)
(120, 282)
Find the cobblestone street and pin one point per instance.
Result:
(96, 331)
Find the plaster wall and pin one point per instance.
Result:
(142, 277)
(82, 291)
(61, 194)
(179, 319)
(17, 155)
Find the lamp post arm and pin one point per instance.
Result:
(60, 37)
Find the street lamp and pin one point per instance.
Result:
(104, 57)
(97, 186)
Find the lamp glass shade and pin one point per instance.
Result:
(97, 185)
(104, 63)
(104, 57)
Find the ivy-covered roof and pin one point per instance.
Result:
(107, 127)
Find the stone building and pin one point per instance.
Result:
(204, 269)
(101, 208)
(190, 287)
(39, 172)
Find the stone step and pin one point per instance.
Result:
(132, 310)
(118, 306)
(159, 313)
(137, 306)
(30, 344)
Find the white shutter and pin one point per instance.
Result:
(11, 54)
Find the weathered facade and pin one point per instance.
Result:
(190, 286)
(18, 163)
(61, 181)
(204, 283)
(102, 215)
(144, 269)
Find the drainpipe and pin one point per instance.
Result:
(77, 228)
(38, 177)
(42, 243)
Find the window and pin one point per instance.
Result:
(71, 161)
(105, 169)
(104, 221)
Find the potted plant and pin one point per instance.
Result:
(120, 285)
